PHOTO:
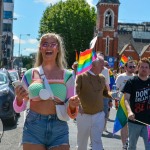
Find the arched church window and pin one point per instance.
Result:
(108, 19)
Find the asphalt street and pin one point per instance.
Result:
(12, 136)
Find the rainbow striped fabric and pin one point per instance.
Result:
(123, 60)
(121, 116)
(85, 60)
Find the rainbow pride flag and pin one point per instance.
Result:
(123, 60)
(121, 116)
(112, 79)
(85, 60)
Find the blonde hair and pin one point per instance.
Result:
(61, 57)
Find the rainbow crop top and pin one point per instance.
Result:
(63, 89)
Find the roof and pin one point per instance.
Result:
(109, 1)
(125, 39)
(144, 49)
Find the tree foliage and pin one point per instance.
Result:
(74, 20)
(27, 62)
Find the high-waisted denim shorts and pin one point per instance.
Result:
(46, 130)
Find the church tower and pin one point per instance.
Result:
(106, 27)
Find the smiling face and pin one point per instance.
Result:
(49, 48)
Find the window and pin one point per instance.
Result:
(109, 18)
(7, 14)
(3, 45)
(8, 52)
(8, 1)
(9, 40)
(7, 27)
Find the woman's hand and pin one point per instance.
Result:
(21, 93)
(74, 101)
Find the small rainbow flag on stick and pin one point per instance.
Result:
(112, 79)
(123, 60)
(77, 56)
(85, 60)
(121, 116)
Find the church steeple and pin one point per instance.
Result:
(109, 1)
(107, 27)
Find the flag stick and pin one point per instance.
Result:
(142, 122)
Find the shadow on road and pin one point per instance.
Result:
(111, 120)
(110, 135)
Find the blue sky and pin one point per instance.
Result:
(29, 13)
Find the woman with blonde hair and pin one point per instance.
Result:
(47, 86)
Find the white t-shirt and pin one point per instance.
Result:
(105, 73)
(121, 80)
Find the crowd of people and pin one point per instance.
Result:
(55, 94)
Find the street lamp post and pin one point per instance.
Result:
(20, 43)
(19, 54)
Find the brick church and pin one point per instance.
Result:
(115, 39)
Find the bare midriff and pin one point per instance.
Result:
(45, 107)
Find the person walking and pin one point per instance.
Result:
(90, 88)
(106, 101)
(47, 87)
(137, 102)
(120, 82)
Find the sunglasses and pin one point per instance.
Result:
(131, 67)
(52, 45)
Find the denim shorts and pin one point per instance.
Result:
(46, 130)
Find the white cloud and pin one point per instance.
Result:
(32, 41)
(47, 2)
(27, 51)
(16, 40)
(29, 41)
(91, 2)
(16, 15)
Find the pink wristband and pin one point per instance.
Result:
(21, 108)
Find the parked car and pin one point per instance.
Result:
(14, 74)
(7, 96)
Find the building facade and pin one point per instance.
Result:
(107, 27)
(115, 39)
(1, 29)
(7, 43)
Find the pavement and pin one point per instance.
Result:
(110, 141)
(12, 136)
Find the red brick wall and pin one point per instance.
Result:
(101, 41)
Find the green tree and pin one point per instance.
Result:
(27, 62)
(74, 20)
